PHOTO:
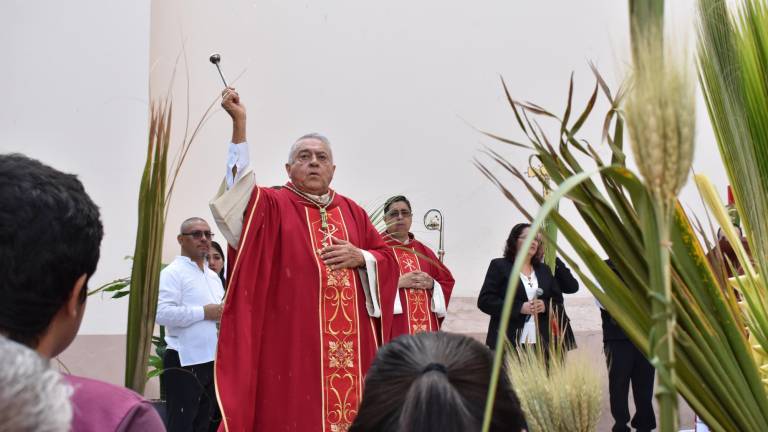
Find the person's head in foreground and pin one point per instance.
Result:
(50, 234)
(434, 381)
(33, 397)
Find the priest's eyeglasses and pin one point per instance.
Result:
(395, 213)
(197, 235)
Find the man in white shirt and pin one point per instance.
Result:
(189, 306)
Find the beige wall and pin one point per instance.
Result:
(74, 95)
(397, 86)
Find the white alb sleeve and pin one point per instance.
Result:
(438, 301)
(231, 200)
(238, 159)
(370, 285)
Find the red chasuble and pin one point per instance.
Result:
(296, 338)
(417, 315)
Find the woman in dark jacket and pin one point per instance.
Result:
(527, 303)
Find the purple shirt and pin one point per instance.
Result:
(100, 406)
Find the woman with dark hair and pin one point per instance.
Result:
(434, 382)
(216, 262)
(425, 284)
(538, 292)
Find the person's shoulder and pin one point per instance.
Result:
(98, 405)
(356, 209)
(500, 262)
(95, 390)
(176, 263)
(348, 201)
(173, 268)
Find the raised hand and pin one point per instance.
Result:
(341, 254)
(230, 101)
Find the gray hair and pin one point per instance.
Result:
(33, 397)
(313, 135)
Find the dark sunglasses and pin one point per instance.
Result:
(197, 235)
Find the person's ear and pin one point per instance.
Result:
(178, 238)
(333, 171)
(74, 304)
(288, 169)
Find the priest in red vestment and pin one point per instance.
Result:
(424, 283)
(310, 297)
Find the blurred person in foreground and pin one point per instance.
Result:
(50, 237)
(33, 397)
(437, 382)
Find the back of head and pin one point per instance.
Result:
(433, 382)
(50, 235)
(33, 397)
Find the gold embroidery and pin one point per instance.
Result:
(338, 277)
(417, 301)
(340, 342)
(341, 354)
(343, 412)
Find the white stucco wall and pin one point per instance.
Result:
(397, 86)
(73, 93)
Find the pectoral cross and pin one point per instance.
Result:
(537, 172)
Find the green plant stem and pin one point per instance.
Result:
(663, 315)
(550, 251)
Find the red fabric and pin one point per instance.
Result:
(428, 263)
(272, 374)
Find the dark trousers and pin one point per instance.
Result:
(627, 365)
(190, 395)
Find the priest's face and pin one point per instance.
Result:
(398, 218)
(311, 167)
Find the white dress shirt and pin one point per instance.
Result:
(184, 290)
(528, 335)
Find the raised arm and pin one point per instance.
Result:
(565, 280)
(230, 101)
(230, 202)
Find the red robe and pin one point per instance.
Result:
(296, 339)
(417, 315)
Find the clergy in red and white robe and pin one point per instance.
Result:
(310, 297)
(424, 283)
